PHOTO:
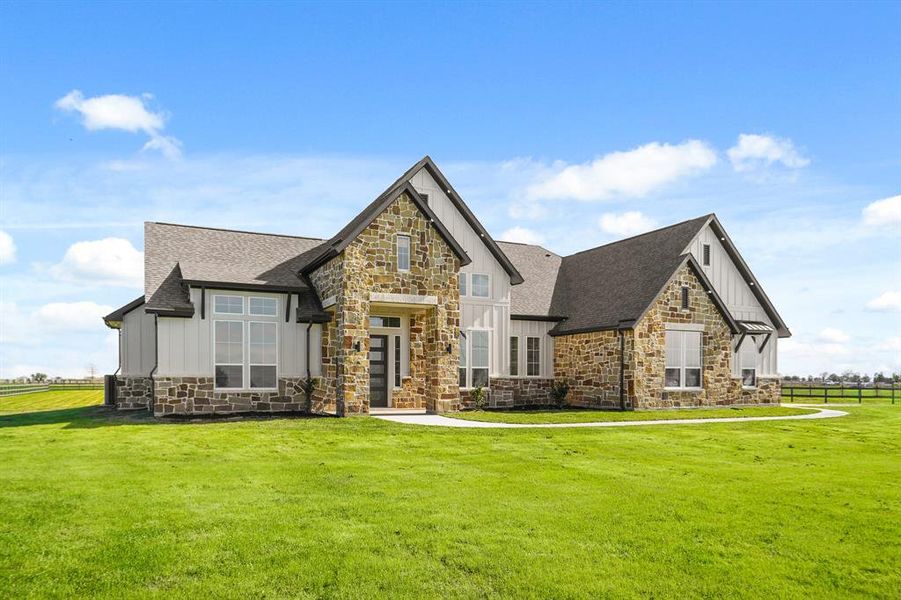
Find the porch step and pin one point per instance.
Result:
(396, 411)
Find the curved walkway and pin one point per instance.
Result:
(439, 421)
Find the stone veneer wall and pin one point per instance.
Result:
(412, 391)
(649, 358)
(196, 395)
(133, 392)
(507, 392)
(590, 364)
(369, 265)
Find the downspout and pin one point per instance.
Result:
(119, 366)
(156, 362)
(308, 387)
(622, 370)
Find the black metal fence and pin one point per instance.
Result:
(840, 392)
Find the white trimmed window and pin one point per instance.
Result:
(748, 360)
(514, 356)
(533, 356)
(462, 278)
(478, 340)
(481, 285)
(683, 360)
(262, 307)
(228, 305)
(229, 354)
(706, 255)
(463, 362)
(403, 253)
(263, 354)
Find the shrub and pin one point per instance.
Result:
(559, 391)
(478, 397)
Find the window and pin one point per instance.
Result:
(262, 345)
(479, 368)
(462, 277)
(228, 305)
(684, 298)
(397, 379)
(229, 354)
(683, 359)
(533, 356)
(462, 361)
(403, 253)
(748, 361)
(480, 287)
(514, 356)
(384, 321)
(262, 307)
(706, 257)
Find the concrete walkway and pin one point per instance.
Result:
(439, 421)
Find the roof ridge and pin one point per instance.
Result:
(634, 237)
(529, 245)
(284, 235)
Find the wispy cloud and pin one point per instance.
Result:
(626, 224)
(753, 151)
(123, 113)
(7, 249)
(833, 335)
(521, 235)
(885, 212)
(629, 174)
(886, 302)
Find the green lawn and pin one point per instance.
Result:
(50, 400)
(593, 416)
(842, 395)
(101, 505)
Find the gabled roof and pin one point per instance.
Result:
(539, 267)
(349, 232)
(429, 165)
(114, 319)
(177, 256)
(607, 286)
(753, 284)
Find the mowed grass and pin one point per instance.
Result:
(598, 416)
(100, 505)
(841, 395)
(50, 400)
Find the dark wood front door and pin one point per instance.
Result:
(378, 370)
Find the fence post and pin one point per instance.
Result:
(791, 392)
(859, 393)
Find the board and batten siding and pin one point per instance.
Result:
(736, 293)
(186, 344)
(477, 313)
(137, 344)
(539, 329)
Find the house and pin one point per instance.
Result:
(413, 304)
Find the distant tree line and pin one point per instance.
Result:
(846, 377)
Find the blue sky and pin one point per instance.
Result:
(566, 124)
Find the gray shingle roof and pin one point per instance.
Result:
(115, 318)
(177, 254)
(538, 267)
(608, 285)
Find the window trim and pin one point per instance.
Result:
(223, 364)
(469, 366)
(231, 314)
(403, 236)
(705, 255)
(742, 368)
(472, 288)
(683, 336)
(538, 339)
(250, 364)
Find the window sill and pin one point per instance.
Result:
(245, 390)
(683, 389)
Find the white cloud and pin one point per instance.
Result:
(883, 212)
(633, 173)
(753, 151)
(125, 113)
(521, 235)
(61, 317)
(110, 261)
(833, 335)
(7, 249)
(892, 344)
(626, 224)
(887, 301)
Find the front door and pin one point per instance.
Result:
(378, 370)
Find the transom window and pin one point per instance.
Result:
(683, 360)
(480, 285)
(514, 356)
(403, 253)
(384, 321)
(262, 307)
(228, 305)
(533, 356)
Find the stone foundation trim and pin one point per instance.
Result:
(198, 396)
(133, 393)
